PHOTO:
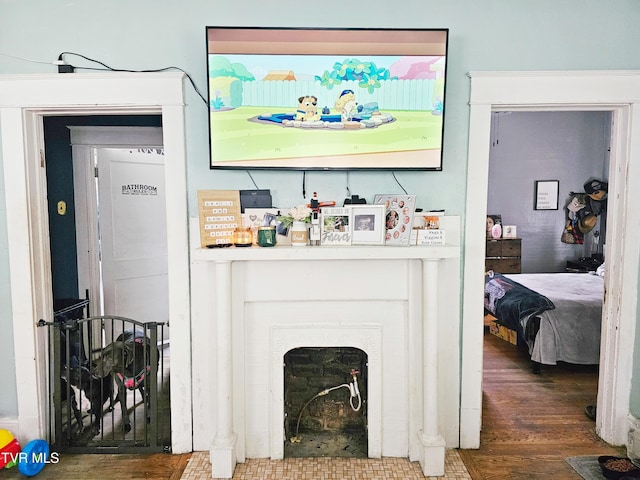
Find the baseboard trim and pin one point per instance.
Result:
(11, 424)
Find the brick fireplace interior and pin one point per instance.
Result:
(323, 414)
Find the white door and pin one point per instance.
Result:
(132, 230)
(120, 196)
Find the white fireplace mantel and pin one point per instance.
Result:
(278, 253)
(252, 304)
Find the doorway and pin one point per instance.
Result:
(23, 108)
(108, 211)
(558, 91)
(570, 147)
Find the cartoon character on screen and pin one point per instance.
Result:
(346, 104)
(307, 109)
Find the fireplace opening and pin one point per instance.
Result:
(325, 402)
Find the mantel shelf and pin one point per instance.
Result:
(325, 253)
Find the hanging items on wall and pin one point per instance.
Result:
(583, 209)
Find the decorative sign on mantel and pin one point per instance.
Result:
(219, 212)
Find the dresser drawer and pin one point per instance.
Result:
(503, 247)
(494, 248)
(503, 265)
(511, 248)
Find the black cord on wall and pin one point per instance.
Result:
(107, 67)
(398, 182)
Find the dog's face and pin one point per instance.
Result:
(308, 104)
(115, 357)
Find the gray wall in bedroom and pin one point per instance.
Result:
(570, 147)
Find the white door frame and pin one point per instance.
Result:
(24, 101)
(615, 91)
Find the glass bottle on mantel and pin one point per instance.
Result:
(299, 234)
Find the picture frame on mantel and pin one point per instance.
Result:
(368, 224)
(335, 226)
(399, 217)
(546, 194)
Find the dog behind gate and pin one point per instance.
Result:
(96, 390)
(72, 355)
(128, 359)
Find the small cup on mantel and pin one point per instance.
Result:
(267, 236)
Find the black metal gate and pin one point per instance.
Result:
(109, 385)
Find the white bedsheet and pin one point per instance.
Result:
(571, 332)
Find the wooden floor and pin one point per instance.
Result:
(157, 466)
(530, 424)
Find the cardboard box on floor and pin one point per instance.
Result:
(503, 332)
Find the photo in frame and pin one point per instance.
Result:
(509, 231)
(368, 224)
(398, 217)
(335, 226)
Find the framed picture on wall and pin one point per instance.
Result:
(546, 196)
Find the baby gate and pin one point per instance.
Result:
(108, 383)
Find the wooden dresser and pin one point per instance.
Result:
(503, 255)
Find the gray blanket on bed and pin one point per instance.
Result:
(570, 332)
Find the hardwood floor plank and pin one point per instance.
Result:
(158, 466)
(531, 423)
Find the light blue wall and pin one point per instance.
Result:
(146, 34)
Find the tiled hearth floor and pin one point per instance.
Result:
(323, 468)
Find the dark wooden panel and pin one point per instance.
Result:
(503, 265)
(494, 248)
(511, 247)
(156, 466)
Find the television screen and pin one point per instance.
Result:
(324, 99)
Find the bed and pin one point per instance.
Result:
(557, 316)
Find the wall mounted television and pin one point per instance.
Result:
(326, 99)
